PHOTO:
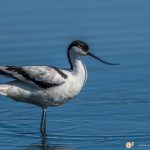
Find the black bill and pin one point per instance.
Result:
(103, 61)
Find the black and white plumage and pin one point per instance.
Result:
(41, 76)
(47, 86)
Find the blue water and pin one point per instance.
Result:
(113, 107)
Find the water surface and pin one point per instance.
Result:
(113, 107)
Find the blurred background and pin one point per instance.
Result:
(113, 107)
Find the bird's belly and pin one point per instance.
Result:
(46, 97)
(63, 93)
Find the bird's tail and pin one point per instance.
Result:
(3, 89)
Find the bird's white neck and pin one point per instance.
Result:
(78, 67)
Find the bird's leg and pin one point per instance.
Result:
(44, 143)
(43, 122)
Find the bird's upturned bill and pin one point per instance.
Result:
(103, 61)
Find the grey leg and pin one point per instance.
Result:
(43, 123)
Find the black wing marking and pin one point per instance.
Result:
(19, 72)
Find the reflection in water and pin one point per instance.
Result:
(36, 33)
(45, 146)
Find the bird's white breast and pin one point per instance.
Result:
(66, 91)
(72, 86)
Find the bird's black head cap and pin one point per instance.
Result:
(78, 43)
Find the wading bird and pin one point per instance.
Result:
(46, 86)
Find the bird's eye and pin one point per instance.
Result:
(80, 47)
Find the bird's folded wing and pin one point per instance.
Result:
(42, 76)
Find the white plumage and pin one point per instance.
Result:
(42, 85)
(48, 86)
